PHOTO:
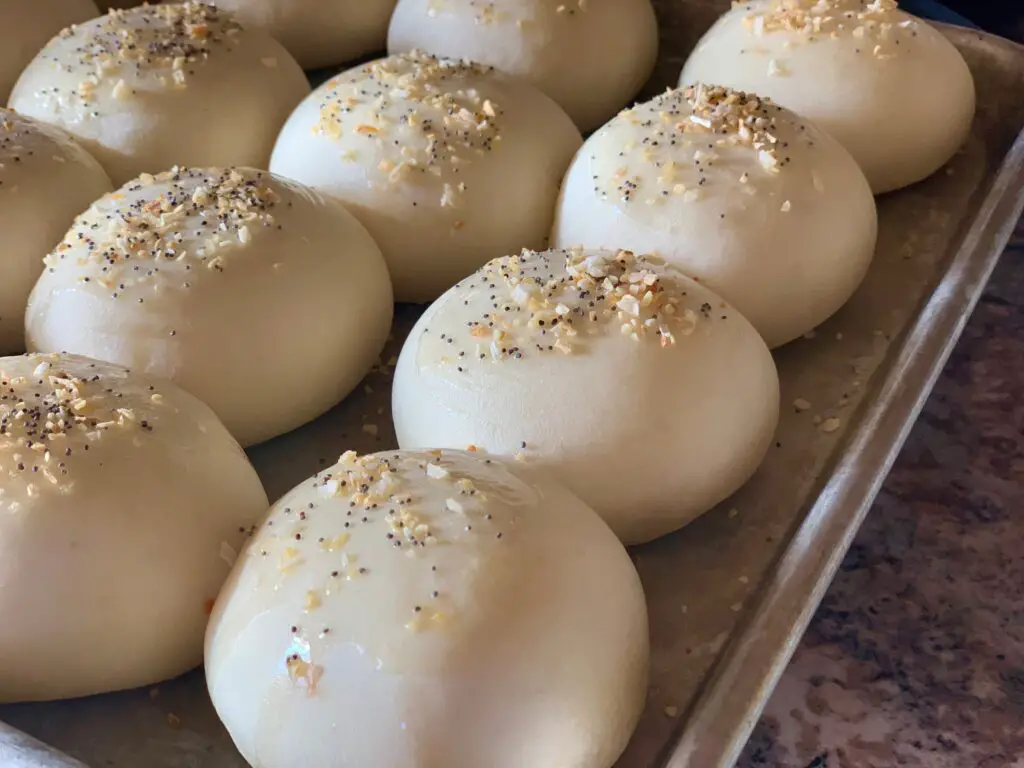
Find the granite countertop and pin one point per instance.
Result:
(916, 655)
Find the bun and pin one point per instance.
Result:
(642, 391)
(430, 608)
(46, 179)
(319, 33)
(255, 294)
(889, 87)
(751, 200)
(591, 57)
(157, 86)
(446, 163)
(122, 505)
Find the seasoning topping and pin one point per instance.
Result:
(553, 302)
(671, 148)
(746, 119)
(419, 114)
(372, 512)
(14, 137)
(22, 142)
(51, 416)
(159, 43)
(810, 20)
(377, 485)
(185, 218)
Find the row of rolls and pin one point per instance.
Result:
(200, 252)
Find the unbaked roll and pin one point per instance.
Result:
(591, 56)
(890, 87)
(265, 299)
(46, 180)
(26, 25)
(645, 393)
(123, 502)
(319, 33)
(149, 88)
(753, 201)
(448, 164)
(411, 609)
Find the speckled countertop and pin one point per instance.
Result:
(916, 656)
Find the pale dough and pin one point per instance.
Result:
(263, 298)
(46, 180)
(756, 203)
(641, 390)
(413, 609)
(319, 33)
(26, 25)
(591, 56)
(447, 164)
(123, 501)
(890, 87)
(157, 86)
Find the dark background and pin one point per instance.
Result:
(1004, 17)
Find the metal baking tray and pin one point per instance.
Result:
(731, 594)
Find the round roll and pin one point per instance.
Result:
(748, 198)
(430, 608)
(888, 86)
(591, 56)
(46, 180)
(148, 88)
(319, 33)
(123, 501)
(446, 163)
(641, 390)
(25, 26)
(260, 296)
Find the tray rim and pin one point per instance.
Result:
(19, 750)
(718, 723)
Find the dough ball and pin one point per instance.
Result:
(45, 181)
(591, 56)
(448, 164)
(26, 25)
(319, 33)
(157, 86)
(264, 299)
(751, 200)
(891, 88)
(434, 608)
(641, 390)
(122, 503)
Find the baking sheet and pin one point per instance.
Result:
(729, 595)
